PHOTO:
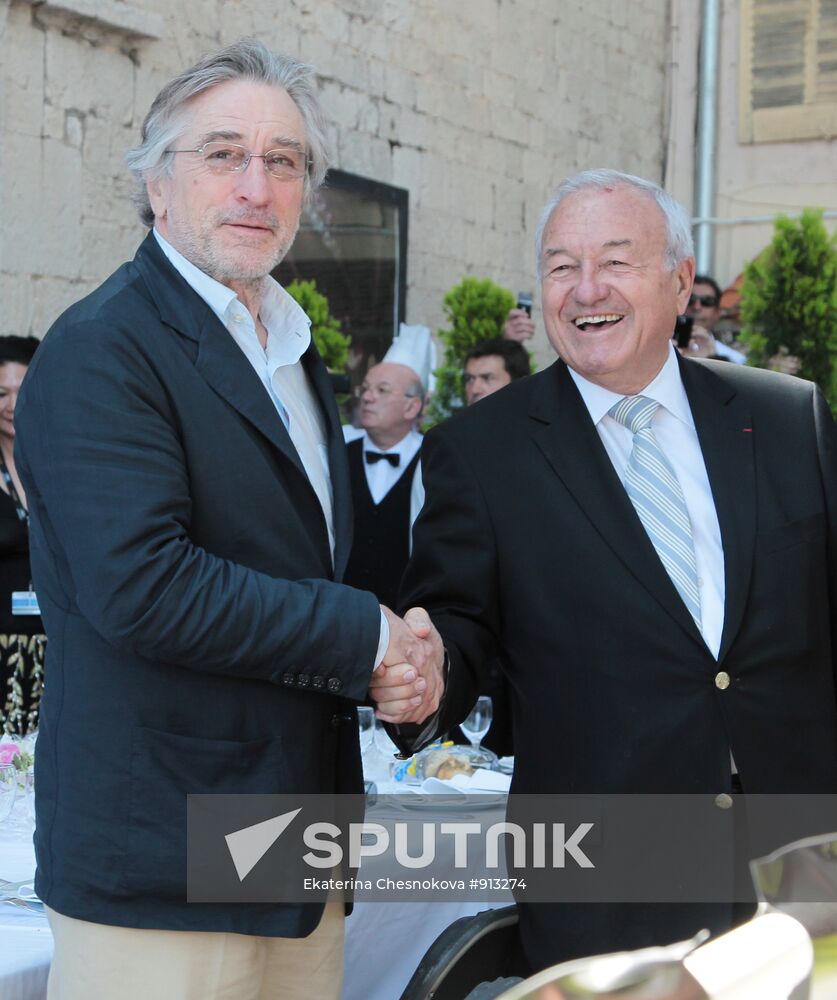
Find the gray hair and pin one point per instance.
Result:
(415, 390)
(679, 244)
(246, 59)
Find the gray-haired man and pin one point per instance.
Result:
(648, 542)
(190, 522)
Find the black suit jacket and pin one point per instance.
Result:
(198, 639)
(528, 544)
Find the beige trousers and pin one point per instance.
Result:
(102, 962)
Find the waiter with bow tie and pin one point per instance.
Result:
(387, 492)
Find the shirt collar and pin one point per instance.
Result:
(288, 326)
(666, 388)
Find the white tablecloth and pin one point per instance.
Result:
(386, 941)
(25, 938)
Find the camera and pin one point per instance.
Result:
(524, 301)
(683, 331)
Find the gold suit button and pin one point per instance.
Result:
(723, 801)
(722, 680)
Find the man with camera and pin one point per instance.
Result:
(695, 333)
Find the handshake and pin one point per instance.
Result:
(408, 684)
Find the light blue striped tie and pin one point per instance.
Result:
(655, 492)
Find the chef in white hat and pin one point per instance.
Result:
(384, 463)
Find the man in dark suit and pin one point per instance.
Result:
(659, 573)
(191, 520)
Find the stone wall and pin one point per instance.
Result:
(476, 107)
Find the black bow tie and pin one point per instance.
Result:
(376, 456)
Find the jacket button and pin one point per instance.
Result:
(318, 682)
(723, 801)
(334, 723)
(302, 680)
(288, 679)
(722, 680)
(334, 684)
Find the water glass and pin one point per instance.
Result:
(366, 724)
(8, 790)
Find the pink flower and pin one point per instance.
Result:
(8, 752)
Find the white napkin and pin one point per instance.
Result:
(436, 786)
(483, 780)
(471, 784)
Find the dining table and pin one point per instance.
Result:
(384, 943)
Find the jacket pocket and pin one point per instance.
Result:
(165, 768)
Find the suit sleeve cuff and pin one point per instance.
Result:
(383, 641)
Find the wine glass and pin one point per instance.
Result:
(8, 790)
(478, 722)
(366, 725)
(383, 741)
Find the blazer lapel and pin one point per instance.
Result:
(566, 435)
(338, 464)
(220, 361)
(725, 431)
(227, 370)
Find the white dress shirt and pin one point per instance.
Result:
(674, 429)
(280, 371)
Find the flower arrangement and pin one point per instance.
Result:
(11, 753)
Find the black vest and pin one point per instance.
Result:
(381, 531)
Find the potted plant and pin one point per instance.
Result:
(476, 309)
(789, 300)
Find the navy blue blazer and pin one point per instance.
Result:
(199, 639)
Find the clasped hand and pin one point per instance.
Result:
(407, 686)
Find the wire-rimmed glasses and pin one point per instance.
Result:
(286, 163)
(383, 390)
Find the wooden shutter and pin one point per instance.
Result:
(788, 87)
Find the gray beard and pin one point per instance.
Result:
(221, 265)
(226, 271)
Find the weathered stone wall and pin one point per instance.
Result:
(477, 107)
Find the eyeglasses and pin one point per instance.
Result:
(704, 300)
(382, 391)
(286, 164)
